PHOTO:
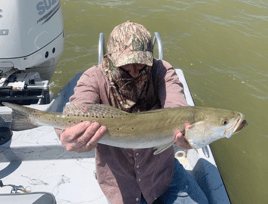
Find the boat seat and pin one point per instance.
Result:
(28, 198)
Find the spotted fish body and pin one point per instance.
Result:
(137, 130)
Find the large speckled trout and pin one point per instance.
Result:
(138, 130)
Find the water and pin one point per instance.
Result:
(220, 45)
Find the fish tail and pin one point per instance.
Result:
(20, 117)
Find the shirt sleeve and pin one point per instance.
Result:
(87, 89)
(171, 92)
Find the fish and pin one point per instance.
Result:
(147, 129)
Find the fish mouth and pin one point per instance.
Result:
(239, 124)
(243, 123)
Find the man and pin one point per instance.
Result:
(130, 79)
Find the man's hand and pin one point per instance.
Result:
(82, 137)
(179, 139)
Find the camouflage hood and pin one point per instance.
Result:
(128, 43)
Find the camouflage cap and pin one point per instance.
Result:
(130, 43)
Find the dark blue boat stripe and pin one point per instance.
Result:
(48, 16)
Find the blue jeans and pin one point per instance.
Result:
(182, 190)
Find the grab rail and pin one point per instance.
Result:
(100, 48)
(159, 45)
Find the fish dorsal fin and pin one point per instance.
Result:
(93, 109)
(162, 148)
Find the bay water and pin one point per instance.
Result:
(222, 48)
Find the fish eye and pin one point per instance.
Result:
(224, 122)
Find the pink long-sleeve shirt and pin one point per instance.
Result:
(125, 174)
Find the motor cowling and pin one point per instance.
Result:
(31, 42)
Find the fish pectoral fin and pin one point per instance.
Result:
(162, 148)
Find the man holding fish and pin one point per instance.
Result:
(130, 79)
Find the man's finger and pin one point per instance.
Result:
(73, 132)
(180, 141)
(86, 149)
(88, 134)
(96, 138)
(187, 126)
(92, 140)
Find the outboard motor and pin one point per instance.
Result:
(31, 42)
